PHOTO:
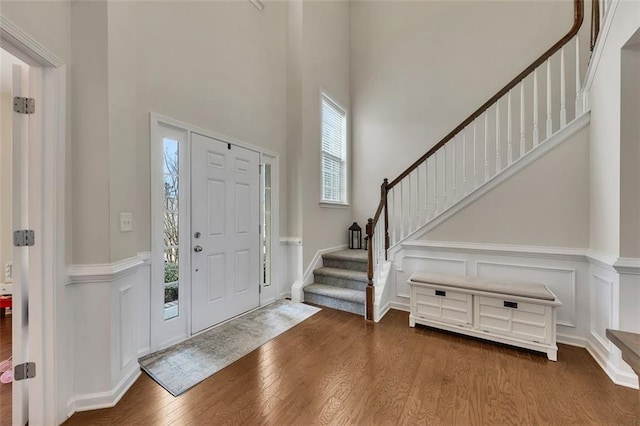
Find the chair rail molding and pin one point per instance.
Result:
(104, 272)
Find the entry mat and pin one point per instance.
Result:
(182, 366)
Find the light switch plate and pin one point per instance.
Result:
(126, 222)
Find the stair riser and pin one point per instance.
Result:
(330, 302)
(345, 264)
(339, 282)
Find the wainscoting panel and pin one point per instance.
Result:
(561, 281)
(127, 332)
(411, 263)
(601, 310)
(565, 271)
(110, 317)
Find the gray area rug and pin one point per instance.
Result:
(180, 367)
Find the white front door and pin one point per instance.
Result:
(225, 237)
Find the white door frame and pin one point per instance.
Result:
(156, 122)
(46, 158)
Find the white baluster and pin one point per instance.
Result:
(509, 131)
(454, 170)
(486, 145)
(522, 136)
(435, 184)
(498, 162)
(464, 162)
(475, 162)
(549, 120)
(444, 177)
(409, 215)
(563, 91)
(426, 191)
(536, 133)
(578, 77)
(402, 209)
(418, 197)
(392, 219)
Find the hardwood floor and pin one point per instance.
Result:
(5, 352)
(334, 368)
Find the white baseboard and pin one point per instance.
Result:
(297, 292)
(94, 401)
(565, 339)
(383, 312)
(285, 295)
(404, 307)
(604, 361)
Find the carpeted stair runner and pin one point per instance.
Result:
(341, 282)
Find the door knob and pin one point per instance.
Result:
(197, 249)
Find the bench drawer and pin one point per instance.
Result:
(442, 305)
(526, 321)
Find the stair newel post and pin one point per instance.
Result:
(384, 191)
(369, 294)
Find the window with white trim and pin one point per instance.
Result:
(334, 152)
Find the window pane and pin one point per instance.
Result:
(171, 283)
(333, 152)
(171, 192)
(170, 156)
(171, 227)
(331, 178)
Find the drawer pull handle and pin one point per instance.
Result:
(441, 293)
(513, 305)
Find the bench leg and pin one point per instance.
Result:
(552, 354)
(412, 322)
(2, 312)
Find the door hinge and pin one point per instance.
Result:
(24, 371)
(24, 105)
(24, 237)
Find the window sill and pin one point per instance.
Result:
(333, 205)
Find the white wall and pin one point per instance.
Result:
(221, 66)
(546, 204)
(90, 133)
(630, 148)
(420, 68)
(613, 98)
(325, 65)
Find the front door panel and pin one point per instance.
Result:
(225, 213)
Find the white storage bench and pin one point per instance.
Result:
(515, 313)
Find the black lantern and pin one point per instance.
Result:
(355, 236)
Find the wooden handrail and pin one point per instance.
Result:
(386, 185)
(577, 23)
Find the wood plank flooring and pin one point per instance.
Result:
(334, 368)
(5, 352)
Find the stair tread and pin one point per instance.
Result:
(351, 255)
(350, 295)
(342, 273)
